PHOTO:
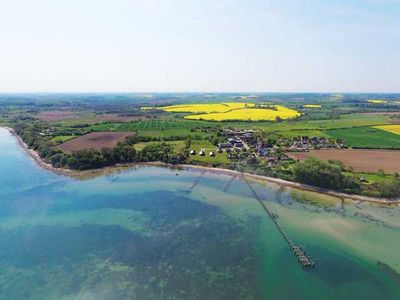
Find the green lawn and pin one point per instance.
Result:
(62, 138)
(178, 146)
(366, 137)
(373, 177)
(197, 145)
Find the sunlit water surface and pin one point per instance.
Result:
(144, 234)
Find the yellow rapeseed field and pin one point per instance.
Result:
(377, 101)
(206, 108)
(249, 114)
(390, 128)
(312, 106)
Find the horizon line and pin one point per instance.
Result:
(191, 92)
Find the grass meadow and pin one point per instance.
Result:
(366, 137)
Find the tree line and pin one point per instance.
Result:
(86, 159)
(333, 175)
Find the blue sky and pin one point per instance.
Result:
(191, 45)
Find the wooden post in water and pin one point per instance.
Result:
(302, 258)
(197, 181)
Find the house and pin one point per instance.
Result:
(263, 151)
(250, 131)
(225, 145)
(239, 144)
(247, 136)
(299, 146)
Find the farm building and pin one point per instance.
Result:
(225, 145)
(192, 152)
(202, 153)
(239, 144)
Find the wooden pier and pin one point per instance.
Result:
(304, 260)
(228, 185)
(197, 181)
(358, 204)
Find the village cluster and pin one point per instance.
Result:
(242, 144)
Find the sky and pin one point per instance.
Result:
(200, 46)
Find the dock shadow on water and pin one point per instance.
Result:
(143, 234)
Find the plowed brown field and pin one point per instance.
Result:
(94, 140)
(360, 160)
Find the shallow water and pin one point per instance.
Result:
(143, 234)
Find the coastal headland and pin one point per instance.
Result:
(110, 169)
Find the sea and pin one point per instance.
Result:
(162, 233)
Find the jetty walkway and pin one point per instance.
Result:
(197, 181)
(228, 185)
(303, 259)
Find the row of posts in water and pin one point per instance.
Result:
(301, 255)
(302, 258)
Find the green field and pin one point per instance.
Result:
(296, 133)
(289, 129)
(62, 138)
(366, 137)
(180, 127)
(220, 158)
(157, 128)
(82, 117)
(345, 121)
(178, 146)
(373, 177)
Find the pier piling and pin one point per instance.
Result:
(304, 260)
(197, 181)
(228, 185)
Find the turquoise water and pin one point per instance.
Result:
(143, 234)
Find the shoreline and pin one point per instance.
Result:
(281, 182)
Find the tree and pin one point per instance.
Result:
(329, 175)
(86, 159)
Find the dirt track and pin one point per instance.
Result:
(360, 160)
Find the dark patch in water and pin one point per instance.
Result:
(211, 259)
(336, 270)
(365, 217)
(390, 271)
(162, 206)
